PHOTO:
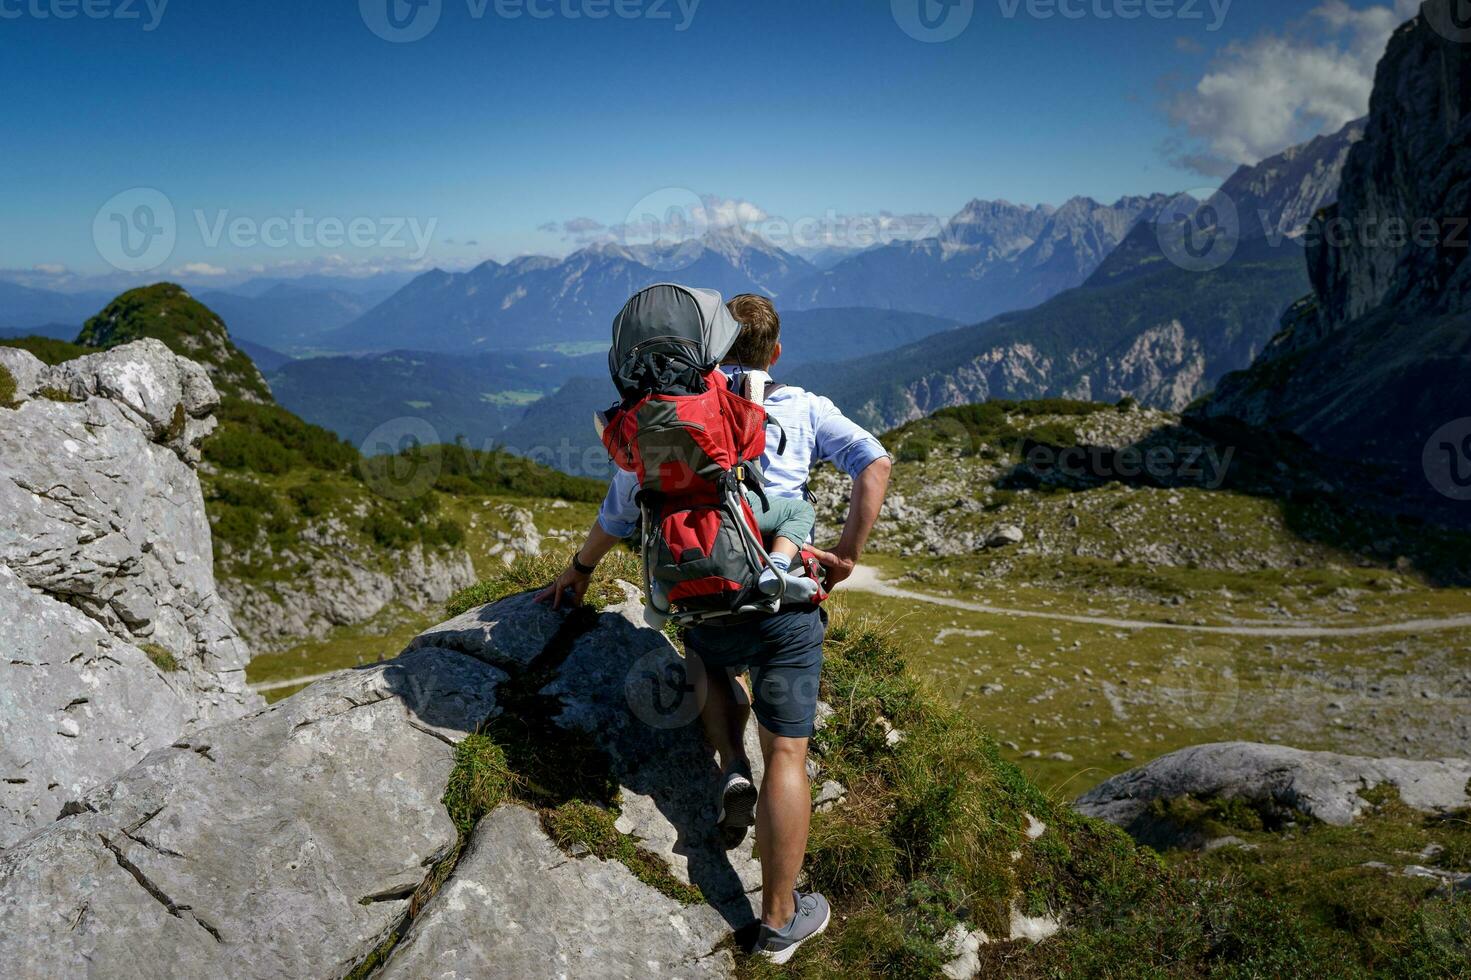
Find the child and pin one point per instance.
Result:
(787, 520)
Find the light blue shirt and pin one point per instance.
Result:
(817, 432)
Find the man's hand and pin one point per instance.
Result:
(571, 581)
(838, 567)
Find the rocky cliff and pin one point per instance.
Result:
(1376, 361)
(115, 637)
(292, 563)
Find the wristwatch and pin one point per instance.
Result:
(579, 567)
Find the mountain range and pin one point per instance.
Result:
(1150, 323)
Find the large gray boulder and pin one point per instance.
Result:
(284, 844)
(1324, 785)
(518, 907)
(105, 553)
(291, 842)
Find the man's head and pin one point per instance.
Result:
(759, 344)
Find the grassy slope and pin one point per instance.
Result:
(1102, 696)
(933, 834)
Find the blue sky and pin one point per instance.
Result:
(492, 127)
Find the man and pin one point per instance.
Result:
(783, 651)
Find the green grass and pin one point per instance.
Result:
(480, 781)
(7, 388)
(161, 657)
(534, 572)
(47, 350)
(52, 394)
(578, 823)
(931, 835)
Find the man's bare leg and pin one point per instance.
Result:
(726, 711)
(783, 817)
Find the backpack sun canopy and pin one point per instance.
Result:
(668, 337)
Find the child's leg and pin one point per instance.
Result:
(790, 521)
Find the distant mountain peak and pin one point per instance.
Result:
(166, 312)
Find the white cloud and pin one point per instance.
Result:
(200, 269)
(1259, 97)
(50, 269)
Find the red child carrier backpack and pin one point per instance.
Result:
(693, 443)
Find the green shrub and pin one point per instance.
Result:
(269, 439)
(7, 388)
(46, 350)
(916, 449)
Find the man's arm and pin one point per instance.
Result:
(617, 519)
(598, 544)
(869, 488)
(856, 452)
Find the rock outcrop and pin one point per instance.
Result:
(339, 582)
(115, 637)
(297, 840)
(1323, 785)
(1376, 362)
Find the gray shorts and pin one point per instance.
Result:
(784, 654)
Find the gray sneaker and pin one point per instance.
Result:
(737, 808)
(812, 916)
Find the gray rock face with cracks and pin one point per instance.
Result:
(105, 552)
(291, 842)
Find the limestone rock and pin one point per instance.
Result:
(106, 550)
(519, 907)
(286, 843)
(1005, 536)
(1323, 785)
